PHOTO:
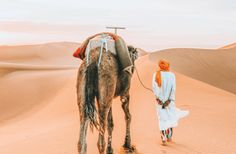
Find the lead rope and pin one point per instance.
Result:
(100, 54)
(141, 81)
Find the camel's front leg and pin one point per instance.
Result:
(125, 105)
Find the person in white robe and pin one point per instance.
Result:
(164, 87)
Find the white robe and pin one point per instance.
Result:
(168, 117)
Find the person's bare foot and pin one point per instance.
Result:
(163, 139)
(169, 139)
(163, 143)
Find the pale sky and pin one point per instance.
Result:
(151, 24)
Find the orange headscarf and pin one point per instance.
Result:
(163, 66)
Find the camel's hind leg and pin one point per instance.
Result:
(103, 112)
(110, 129)
(106, 93)
(125, 105)
(84, 121)
(82, 145)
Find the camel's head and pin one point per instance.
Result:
(133, 53)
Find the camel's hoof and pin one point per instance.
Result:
(109, 150)
(130, 149)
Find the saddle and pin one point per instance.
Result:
(112, 42)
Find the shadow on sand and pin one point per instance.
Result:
(127, 151)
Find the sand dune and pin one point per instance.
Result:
(44, 54)
(38, 114)
(215, 67)
(6, 65)
(230, 46)
(25, 71)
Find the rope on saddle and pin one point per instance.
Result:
(103, 43)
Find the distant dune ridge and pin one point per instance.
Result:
(58, 53)
(230, 46)
(141, 52)
(39, 112)
(215, 67)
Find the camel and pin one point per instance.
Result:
(96, 88)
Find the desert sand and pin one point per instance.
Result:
(39, 114)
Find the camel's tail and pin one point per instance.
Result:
(90, 94)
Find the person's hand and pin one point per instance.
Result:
(166, 103)
(159, 101)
